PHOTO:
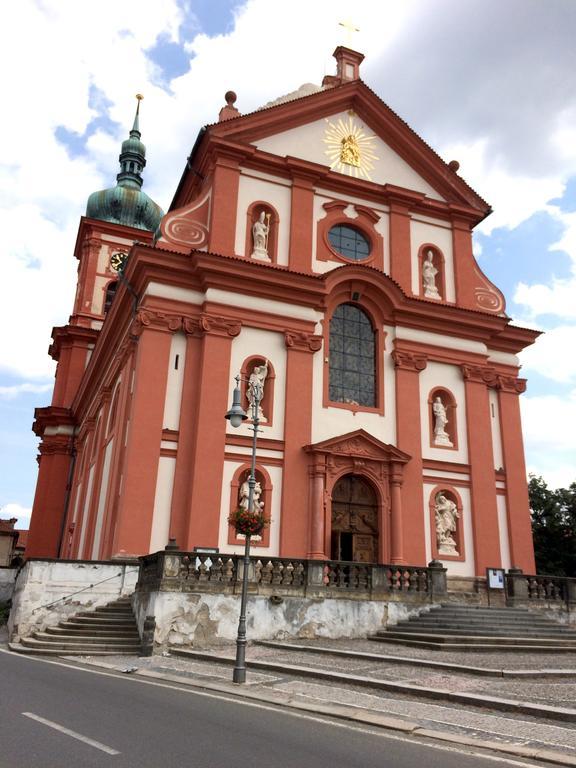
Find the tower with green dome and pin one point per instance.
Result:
(126, 203)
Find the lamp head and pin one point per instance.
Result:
(236, 415)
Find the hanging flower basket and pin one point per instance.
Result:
(248, 523)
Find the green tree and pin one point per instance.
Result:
(554, 527)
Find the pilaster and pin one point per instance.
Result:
(477, 379)
(209, 441)
(301, 223)
(400, 249)
(517, 501)
(224, 206)
(299, 534)
(136, 504)
(410, 544)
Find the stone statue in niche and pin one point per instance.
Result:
(446, 515)
(441, 437)
(260, 233)
(244, 495)
(429, 273)
(256, 383)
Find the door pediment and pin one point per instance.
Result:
(359, 445)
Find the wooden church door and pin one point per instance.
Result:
(354, 520)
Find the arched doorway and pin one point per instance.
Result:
(354, 520)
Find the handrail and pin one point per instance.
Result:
(90, 586)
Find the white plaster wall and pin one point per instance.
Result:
(200, 620)
(85, 511)
(102, 500)
(175, 381)
(162, 503)
(175, 292)
(450, 377)
(307, 142)
(441, 236)
(271, 345)
(440, 340)
(331, 421)
(41, 582)
(503, 531)
(382, 226)
(455, 568)
(254, 303)
(496, 432)
(278, 195)
(276, 479)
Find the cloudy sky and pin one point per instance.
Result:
(491, 83)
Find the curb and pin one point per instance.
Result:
(406, 660)
(492, 702)
(356, 715)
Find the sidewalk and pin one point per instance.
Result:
(538, 722)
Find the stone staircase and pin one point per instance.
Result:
(109, 630)
(472, 628)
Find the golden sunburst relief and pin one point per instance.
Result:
(350, 148)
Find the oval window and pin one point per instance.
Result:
(349, 242)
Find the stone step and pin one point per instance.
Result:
(98, 621)
(65, 628)
(446, 637)
(102, 639)
(486, 631)
(111, 616)
(441, 616)
(87, 649)
(430, 626)
(457, 645)
(18, 648)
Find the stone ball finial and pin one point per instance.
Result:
(230, 98)
(454, 165)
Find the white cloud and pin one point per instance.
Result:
(552, 355)
(549, 423)
(22, 514)
(12, 392)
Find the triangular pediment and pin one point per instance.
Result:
(386, 150)
(360, 445)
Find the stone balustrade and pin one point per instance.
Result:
(175, 571)
(539, 589)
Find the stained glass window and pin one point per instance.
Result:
(349, 242)
(352, 357)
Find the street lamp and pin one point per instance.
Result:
(236, 415)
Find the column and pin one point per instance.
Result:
(396, 533)
(409, 439)
(317, 512)
(295, 524)
(481, 460)
(224, 206)
(205, 479)
(400, 249)
(517, 501)
(136, 503)
(301, 224)
(50, 500)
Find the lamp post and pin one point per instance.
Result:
(236, 415)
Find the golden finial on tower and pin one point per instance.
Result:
(139, 96)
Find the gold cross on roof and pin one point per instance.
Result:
(350, 28)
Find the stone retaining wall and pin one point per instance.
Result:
(48, 591)
(7, 581)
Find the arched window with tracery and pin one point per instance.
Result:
(352, 357)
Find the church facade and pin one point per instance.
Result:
(321, 245)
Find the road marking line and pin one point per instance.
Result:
(384, 734)
(73, 734)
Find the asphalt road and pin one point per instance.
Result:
(47, 709)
